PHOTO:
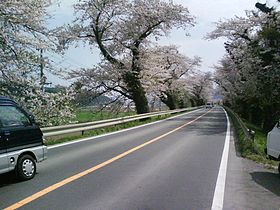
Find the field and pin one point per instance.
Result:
(91, 115)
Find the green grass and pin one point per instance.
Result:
(248, 148)
(97, 132)
(260, 138)
(56, 140)
(88, 116)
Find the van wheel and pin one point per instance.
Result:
(26, 167)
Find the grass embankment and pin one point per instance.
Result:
(89, 116)
(56, 140)
(248, 148)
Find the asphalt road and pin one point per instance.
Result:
(177, 170)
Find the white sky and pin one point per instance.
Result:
(206, 13)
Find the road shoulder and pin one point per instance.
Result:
(249, 185)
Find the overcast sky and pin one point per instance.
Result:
(206, 13)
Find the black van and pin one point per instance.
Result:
(21, 140)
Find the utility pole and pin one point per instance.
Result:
(42, 75)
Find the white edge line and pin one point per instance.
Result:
(218, 199)
(116, 132)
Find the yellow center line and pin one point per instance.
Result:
(90, 170)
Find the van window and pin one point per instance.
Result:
(11, 116)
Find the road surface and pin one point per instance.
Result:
(171, 164)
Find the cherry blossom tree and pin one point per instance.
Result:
(164, 70)
(23, 34)
(163, 76)
(249, 74)
(121, 29)
(200, 87)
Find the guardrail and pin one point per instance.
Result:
(79, 125)
(82, 127)
(249, 134)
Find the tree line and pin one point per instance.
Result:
(133, 66)
(249, 74)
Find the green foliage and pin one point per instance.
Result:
(249, 74)
(52, 141)
(245, 146)
(260, 138)
(249, 149)
(57, 140)
(88, 116)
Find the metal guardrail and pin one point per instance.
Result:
(249, 134)
(82, 127)
(79, 125)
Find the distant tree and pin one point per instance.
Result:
(200, 86)
(164, 72)
(86, 97)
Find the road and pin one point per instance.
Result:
(171, 164)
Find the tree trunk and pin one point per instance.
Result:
(269, 119)
(169, 100)
(192, 102)
(141, 102)
(137, 92)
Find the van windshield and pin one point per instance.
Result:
(11, 116)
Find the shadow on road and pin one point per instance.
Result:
(270, 181)
(214, 123)
(7, 179)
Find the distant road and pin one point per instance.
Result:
(172, 164)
